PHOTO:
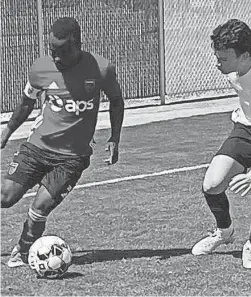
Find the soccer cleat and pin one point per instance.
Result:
(246, 255)
(208, 244)
(16, 258)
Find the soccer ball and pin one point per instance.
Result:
(50, 257)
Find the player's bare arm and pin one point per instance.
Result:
(19, 116)
(113, 91)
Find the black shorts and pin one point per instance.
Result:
(56, 172)
(238, 145)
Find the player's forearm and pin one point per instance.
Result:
(116, 118)
(20, 114)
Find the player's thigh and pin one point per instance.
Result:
(11, 192)
(58, 183)
(24, 172)
(220, 172)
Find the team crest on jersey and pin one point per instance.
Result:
(89, 85)
(30, 90)
(12, 168)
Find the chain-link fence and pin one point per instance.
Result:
(19, 48)
(125, 32)
(189, 60)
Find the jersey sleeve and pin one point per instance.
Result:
(30, 91)
(110, 84)
(34, 83)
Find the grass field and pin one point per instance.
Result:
(134, 237)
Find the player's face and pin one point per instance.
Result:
(63, 51)
(228, 61)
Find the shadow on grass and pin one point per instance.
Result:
(235, 254)
(67, 275)
(88, 257)
(91, 256)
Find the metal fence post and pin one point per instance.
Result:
(40, 27)
(161, 32)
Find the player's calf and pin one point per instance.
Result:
(33, 228)
(219, 206)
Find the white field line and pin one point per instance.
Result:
(132, 177)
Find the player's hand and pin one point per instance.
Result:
(113, 150)
(93, 143)
(5, 137)
(241, 183)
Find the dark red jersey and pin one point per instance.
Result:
(70, 102)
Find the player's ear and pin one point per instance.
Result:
(71, 38)
(245, 55)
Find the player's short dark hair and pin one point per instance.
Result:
(65, 27)
(232, 34)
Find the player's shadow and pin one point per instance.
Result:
(91, 256)
(235, 254)
(67, 275)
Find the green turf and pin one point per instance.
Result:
(135, 237)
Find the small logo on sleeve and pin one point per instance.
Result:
(30, 90)
(12, 168)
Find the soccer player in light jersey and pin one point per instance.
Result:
(58, 149)
(232, 46)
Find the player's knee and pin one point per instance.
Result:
(41, 209)
(211, 187)
(43, 205)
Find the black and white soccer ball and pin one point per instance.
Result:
(50, 257)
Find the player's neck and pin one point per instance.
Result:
(76, 58)
(245, 68)
(71, 62)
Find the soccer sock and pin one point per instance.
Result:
(219, 206)
(33, 228)
(250, 234)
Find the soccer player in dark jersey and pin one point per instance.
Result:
(231, 43)
(59, 146)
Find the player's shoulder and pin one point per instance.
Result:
(104, 64)
(41, 65)
(248, 75)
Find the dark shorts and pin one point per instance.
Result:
(238, 145)
(56, 172)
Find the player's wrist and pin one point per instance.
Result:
(114, 140)
(9, 129)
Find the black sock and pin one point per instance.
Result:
(219, 206)
(32, 230)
